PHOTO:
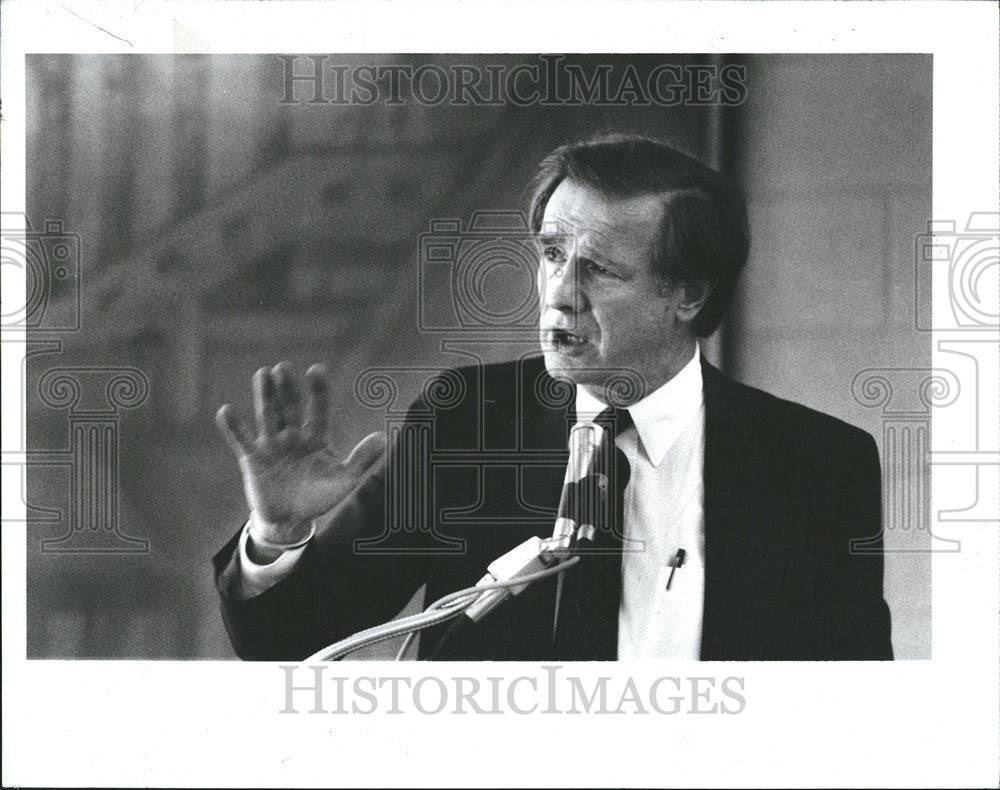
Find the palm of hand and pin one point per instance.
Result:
(295, 484)
(290, 473)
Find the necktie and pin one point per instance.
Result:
(587, 618)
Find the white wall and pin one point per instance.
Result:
(836, 163)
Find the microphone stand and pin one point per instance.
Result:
(581, 508)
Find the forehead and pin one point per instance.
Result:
(627, 225)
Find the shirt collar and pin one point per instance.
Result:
(661, 416)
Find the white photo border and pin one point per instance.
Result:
(921, 723)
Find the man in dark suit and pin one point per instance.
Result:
(750, 526)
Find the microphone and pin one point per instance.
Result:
(584, 507)
(584, 495)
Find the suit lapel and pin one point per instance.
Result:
(546, 411)
(745, 534)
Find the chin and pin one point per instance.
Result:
(560, 366)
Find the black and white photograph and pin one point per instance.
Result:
(415, 389)
(472, 256)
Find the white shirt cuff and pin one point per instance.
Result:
(252, 579)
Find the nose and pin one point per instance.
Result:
(561, 288)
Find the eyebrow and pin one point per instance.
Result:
(551, 238)
(588, 253)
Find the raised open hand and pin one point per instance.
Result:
(290, 472)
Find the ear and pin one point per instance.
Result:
(692, 297)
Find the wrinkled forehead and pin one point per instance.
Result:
(584, 217)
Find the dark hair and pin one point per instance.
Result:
(704, 233)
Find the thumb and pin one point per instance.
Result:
(365, 453)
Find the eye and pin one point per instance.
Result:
(596, 268)
(553, 254)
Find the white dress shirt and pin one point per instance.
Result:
(249, 578)
(664, 512)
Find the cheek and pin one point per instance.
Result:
(632, 328)
(621, 326)
(540, 284)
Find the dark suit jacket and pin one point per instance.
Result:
(793, 550)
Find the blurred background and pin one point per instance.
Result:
(223, 224)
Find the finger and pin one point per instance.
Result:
(263, 403)
(233, 432)
(317, 403)
(289, 402)
(365, 453)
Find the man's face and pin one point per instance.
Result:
(602, 308)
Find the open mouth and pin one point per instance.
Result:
(562, 339)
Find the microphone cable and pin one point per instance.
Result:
(463, 622)
(442, 610)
